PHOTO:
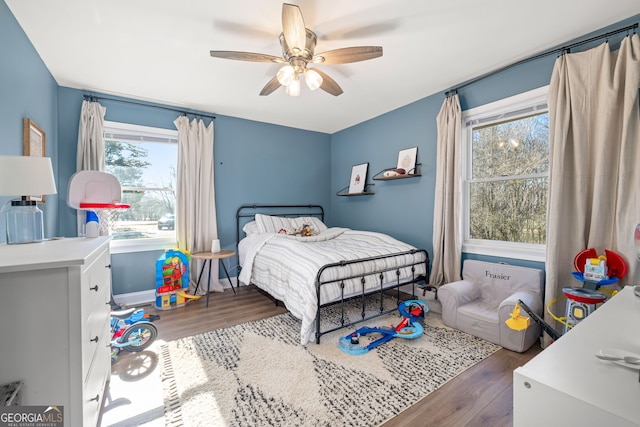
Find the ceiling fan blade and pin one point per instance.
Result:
(348, 54)
(245, 56)
(270, 87)
(293, 26)
(328, 84)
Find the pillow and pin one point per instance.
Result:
(273, 224)
(250, 228)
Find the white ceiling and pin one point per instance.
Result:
(158, 50)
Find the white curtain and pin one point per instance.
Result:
(90, 149)
(90, 152)
(594, 186)
(196, 225)
(447, 241)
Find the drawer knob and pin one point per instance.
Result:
(108, 266)
(97, 398)
(95, 288)
(94, 339)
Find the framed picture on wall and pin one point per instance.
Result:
(34, 144)
(407, 160)
(358, 178)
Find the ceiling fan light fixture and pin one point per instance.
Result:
(298, 45)
(313, 79)
(286, 75)
(294, 87)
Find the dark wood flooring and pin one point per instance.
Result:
(480, 396)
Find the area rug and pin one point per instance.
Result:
(258, 374)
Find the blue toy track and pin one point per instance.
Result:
(412, 311)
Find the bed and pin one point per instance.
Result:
(328, 266)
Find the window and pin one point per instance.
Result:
(506, 177)
(144, 160)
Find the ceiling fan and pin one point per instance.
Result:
(298, 45)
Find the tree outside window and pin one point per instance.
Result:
(509, 180)
(505, 177)
(144, 161)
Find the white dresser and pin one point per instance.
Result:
(54, 324)
(566, 385)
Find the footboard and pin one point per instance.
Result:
(413, 269)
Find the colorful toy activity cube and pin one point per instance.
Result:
(172, 277)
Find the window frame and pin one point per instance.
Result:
(152, 243)
(512, 108)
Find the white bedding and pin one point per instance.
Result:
(286, 267)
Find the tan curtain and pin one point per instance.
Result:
(195, 198)
(447, 242)
(90, 149)
(594, 186)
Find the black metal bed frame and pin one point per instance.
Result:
(420, 256)
(380, 291)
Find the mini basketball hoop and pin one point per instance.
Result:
(107, 213)
(99, 192)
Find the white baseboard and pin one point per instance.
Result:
(133, 299)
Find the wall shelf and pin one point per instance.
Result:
(380, 175)
(389, 178)
(345, 191)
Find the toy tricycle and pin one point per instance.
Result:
(131, 330)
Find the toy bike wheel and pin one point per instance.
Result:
(114, 354)
(140, 335)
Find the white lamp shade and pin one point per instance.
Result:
(26, 176)
(294, 87)
(313, 79)
(285, 75)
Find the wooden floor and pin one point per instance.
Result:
(480, 396)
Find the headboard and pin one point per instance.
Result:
(246, 213)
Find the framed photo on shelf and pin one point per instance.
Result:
(34, 144)
(358, 178)
(407, 160)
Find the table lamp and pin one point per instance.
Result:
(25, 176)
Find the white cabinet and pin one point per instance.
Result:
(54, 324)
(566, 385)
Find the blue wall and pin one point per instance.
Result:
(404, 208)
(401, 208)
(27, 90)
(255, 162)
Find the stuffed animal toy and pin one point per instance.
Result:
(306, 230)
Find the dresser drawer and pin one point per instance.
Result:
(96, 284)
(96, 337)
(95, 384)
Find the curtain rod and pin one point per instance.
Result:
(564, 49)
(183, 112)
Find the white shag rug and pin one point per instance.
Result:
(257, 374)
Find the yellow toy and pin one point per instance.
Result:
(516, 321)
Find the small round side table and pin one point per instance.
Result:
(208, 256)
